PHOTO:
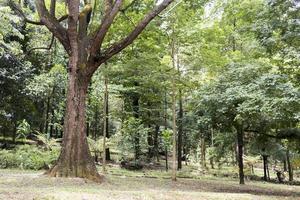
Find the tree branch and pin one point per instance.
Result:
(43, 48)
(19, 11)
(84, 19)
(108, 6)
(53, 25)
(122, 44)
(52, 7)
(106, 23)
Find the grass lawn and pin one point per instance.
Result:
(23, 185)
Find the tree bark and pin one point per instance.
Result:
(156, 145)
(289, 165)
(150, 142)
(211, 159)
(136, 114)
(166, 125)
(75, 159)
(203, 150)
(85, 57)
(166, 152)
(174, 131)
(265, 161)
(268, 172)
(52, 123)
(240, 142)
(107, 152)
(47, 115)
(180, 132)
(105, 124)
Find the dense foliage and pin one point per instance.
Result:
(232, 67)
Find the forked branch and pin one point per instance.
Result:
(122, 44)
(106, 23)
(53, 25)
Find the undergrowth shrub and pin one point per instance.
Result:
(28, 157)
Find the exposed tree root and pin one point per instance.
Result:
(81, 172)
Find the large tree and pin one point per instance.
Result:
(86, 53)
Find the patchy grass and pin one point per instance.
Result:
(15, 185)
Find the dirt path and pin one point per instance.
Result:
(33, 185)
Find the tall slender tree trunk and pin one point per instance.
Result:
(240, 142)
(75, 159)
(105, 130)
(166, 126)
(211, 159)
(289, 165)
(268, 172)
(265, 161)
(150, 142)
(174, 131)
(136, 114)
(203, 150)
(107, 151)
(166, 152)
(52, 123)
(51, 110)
(174, 89)
(42, 112)
(47, 115)
(180, 132)
(156, 143)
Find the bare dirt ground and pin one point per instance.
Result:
(27, 185)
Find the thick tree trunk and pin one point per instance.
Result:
(75, 159)
(240, 142)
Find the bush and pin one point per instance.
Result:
(132, 130)
(28, 157)
(23, 129)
